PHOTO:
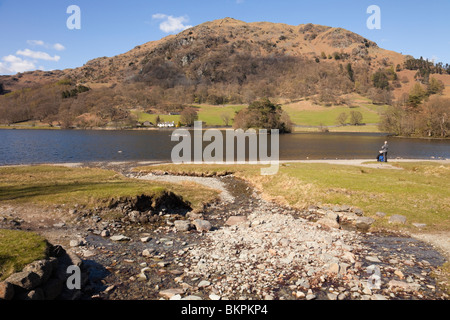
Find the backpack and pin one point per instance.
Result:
(381, 158)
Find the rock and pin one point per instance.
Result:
(88, 253)
(26, 280)
(6, 291)
(334, 268)
(52, 288)
(120, 238)
(397, 219)
(409, 263)
(192, 298)
(358, 212)
(105, 233)
(202, 225)
(367, 291)
(169, 293)
(419, 225)
(59, 225)
(300, 295)
(378, 297)
(380, 214)
(329, 223)
(182, 225)
(407, 287)
(348, 256)
(35, 295)
(163, 264)
(76, 243)
(176, 297)
(310, 297)
(332, 296)
(331, 215)
(43, 268)
(148, 252)
(364, 223)
(146, 239)
(204, 284)
(233, 220)
(399, 274)
(214, 297)
(373, 259)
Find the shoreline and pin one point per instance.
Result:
(387, 134)
(351, 162)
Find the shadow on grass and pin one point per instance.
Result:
(21, 192)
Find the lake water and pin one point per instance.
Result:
(59, 146)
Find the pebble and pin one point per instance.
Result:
(119, 238)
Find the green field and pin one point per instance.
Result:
(325, 116)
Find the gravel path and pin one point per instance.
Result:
(212, 183)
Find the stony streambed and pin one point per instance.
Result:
(272, 253)
(263, 251)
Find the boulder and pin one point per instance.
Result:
(53, 288)
(43, 268)
(6, 291)
(202, 225)
(182, 225)
(27, 280)
(364, 223)
(397, 219)
(331, 223)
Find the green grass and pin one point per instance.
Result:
(326, 116)
(48, 185)
(19, 248)
(419, 191)
(212, 114)
(366, 128)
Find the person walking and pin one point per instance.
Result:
(384, 150)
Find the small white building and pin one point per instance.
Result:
(166, 124)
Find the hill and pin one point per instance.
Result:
(220, 62)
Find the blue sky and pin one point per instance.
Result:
(34, 34)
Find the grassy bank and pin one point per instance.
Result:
(419, 191)
(19, 248)
(49, 185)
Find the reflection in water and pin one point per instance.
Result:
(44, 146)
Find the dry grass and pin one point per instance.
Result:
(419, 191)
(48, 185)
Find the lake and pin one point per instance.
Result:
(62, 146)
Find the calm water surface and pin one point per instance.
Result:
(59, 146)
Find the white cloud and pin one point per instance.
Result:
(39, 55)
(13, 65)
(36, 42)
(58, 47)
(172, 24)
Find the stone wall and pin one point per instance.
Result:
(44, 279)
